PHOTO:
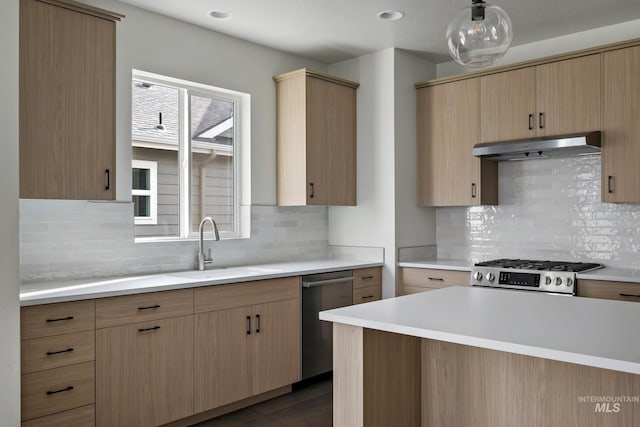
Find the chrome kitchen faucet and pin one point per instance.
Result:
(202, 260)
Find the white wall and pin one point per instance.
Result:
(372, 221)
(415, 226)
(557, 45)
(9, 305)
(158, 44)
(386, 215)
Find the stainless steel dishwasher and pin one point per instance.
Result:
(320, 292)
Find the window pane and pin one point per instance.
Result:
(155, 134)
(212, 165)
(142, 206)
(141, 179)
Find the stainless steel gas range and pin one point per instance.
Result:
(544, 276)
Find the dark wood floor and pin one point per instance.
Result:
(308, 406)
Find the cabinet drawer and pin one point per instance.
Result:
(367, 277)
(79, 417)
(57, 351)
(143, 307)
(367, 294)
(55, 319)
(222, 297)
(432, 278)
(56, 390)
(624, 291)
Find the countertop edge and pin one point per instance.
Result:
(541, 352)
(179, 283)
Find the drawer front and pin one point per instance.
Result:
(56, 390)
(222, 297)
(130, 309)
(79, 417)
(624, 291)
(367, 294)
(60, 350)
(54, 319)
(367, 277)
(432, 278)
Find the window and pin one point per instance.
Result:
(144, 190)
(187, 140)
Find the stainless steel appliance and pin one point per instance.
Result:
(545, 276)
(320, 292)
(540, 148)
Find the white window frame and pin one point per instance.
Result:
(152, 192)
(241, 154)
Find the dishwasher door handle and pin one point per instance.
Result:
(318, 283)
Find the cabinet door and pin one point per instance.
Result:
(67, 103)
(144, 373)
(276, 345)
(331, 143)
(507, 100)
(448, 173)
(222, 357)
(568, 96)
(621, 145)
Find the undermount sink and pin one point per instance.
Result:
(223, 273)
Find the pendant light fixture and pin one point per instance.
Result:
(479, 35)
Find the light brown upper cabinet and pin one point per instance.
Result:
(67, 100)
(621, 144)
(316, 139)
(556, 98)
(448, 127)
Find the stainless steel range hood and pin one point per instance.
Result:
(540, 148)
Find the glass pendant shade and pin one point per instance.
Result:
(479, 35)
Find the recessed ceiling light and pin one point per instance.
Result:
(220, 14)
(390, 15)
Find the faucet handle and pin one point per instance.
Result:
(208, 259)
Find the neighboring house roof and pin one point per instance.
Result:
(211, 119)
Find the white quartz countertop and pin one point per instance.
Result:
(608, 273)
(585, 331)
(62, 291)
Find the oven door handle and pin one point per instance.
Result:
(318, 283)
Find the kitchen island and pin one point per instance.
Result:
(463, 356)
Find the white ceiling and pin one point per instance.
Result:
(334, 30)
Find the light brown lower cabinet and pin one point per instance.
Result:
(245, 351)
(414, 280)
(79, 417)
(144, 373)
(624, 291)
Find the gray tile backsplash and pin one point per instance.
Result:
(549, 209)
(78, 239)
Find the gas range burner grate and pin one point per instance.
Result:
(521, 264)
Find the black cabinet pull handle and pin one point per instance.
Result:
(473, 190)
(629, 295)
(248, 325)
(60, 391)
(367, 297)
(609, 179)
(541, 120)
(530, 121)
(108, 174)
(439, 279)
(149, 329)
(258, 325)
(60, 319)
(51, 353)
(151, 307)
(367, 277)
(313, 190)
